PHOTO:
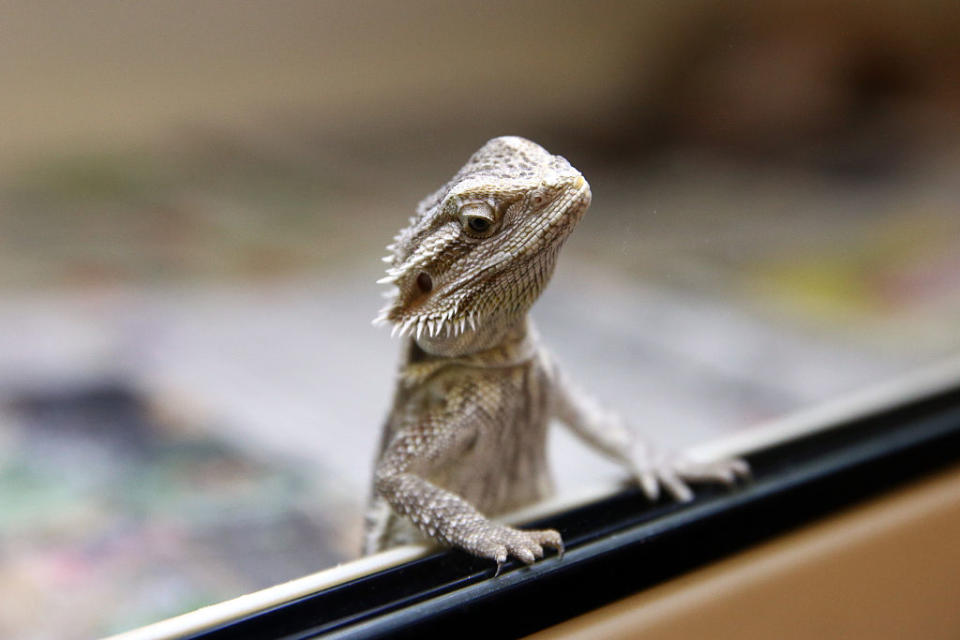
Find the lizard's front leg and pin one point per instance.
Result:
(441, 514)
(605, 431)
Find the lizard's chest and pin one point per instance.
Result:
(504, 464)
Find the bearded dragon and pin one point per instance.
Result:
(466, 437)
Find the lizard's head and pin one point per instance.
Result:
(480, 250)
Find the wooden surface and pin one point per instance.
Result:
(887, 569)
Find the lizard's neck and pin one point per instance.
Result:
(517, 346)
(491, 334)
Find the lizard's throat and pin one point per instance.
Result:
(471, 315)
(489, 333)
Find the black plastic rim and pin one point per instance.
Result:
(622, 545)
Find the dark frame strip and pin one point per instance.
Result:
(621, 545)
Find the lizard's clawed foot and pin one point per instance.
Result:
(674, 474)
(498, 542)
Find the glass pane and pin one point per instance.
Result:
(193, 205)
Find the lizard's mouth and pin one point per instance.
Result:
(424, 306)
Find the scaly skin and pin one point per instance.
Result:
(466, 437)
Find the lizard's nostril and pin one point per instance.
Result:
(425, 282)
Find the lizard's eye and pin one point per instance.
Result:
(478, 224)
(477, 219)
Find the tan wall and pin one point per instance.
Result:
(122, 72)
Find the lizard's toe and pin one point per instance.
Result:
(650, 485)
(548, 538)
(529, 548)
(675, 474)
(725, 471)
(676, 486)
(526, 546)
(524, 554)
(740, 467)
(494, 551)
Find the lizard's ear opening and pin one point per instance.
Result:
(424, 282)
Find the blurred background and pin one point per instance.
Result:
(194, 197)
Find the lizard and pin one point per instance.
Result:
(466, 437)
